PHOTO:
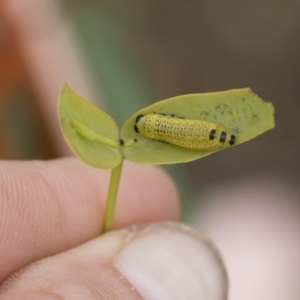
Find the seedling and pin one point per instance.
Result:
(175, 130)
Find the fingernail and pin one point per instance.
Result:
(172, 261)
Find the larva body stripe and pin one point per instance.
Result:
(191, 134)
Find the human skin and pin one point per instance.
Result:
(51, 245)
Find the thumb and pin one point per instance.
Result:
(157, 261)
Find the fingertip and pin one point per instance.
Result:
(172, 261)
(156, 261)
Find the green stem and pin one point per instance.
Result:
(112, 197)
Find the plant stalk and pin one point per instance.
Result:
(112, 197)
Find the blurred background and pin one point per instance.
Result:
(124, 55)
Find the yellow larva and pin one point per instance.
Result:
(191, 134)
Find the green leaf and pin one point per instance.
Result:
(239, 111)
(90, 132)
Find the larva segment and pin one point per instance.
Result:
(190, 134)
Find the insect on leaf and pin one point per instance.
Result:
(189, 127)
(90, 132)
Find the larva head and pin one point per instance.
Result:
(137, 120)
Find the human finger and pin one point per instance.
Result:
(160, 261)
(48, 207)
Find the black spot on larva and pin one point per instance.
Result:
(138, 118)
(223, 137)
(135, 140)
(136, 128)
(121, 142)
(212, 134)
(232, 140)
